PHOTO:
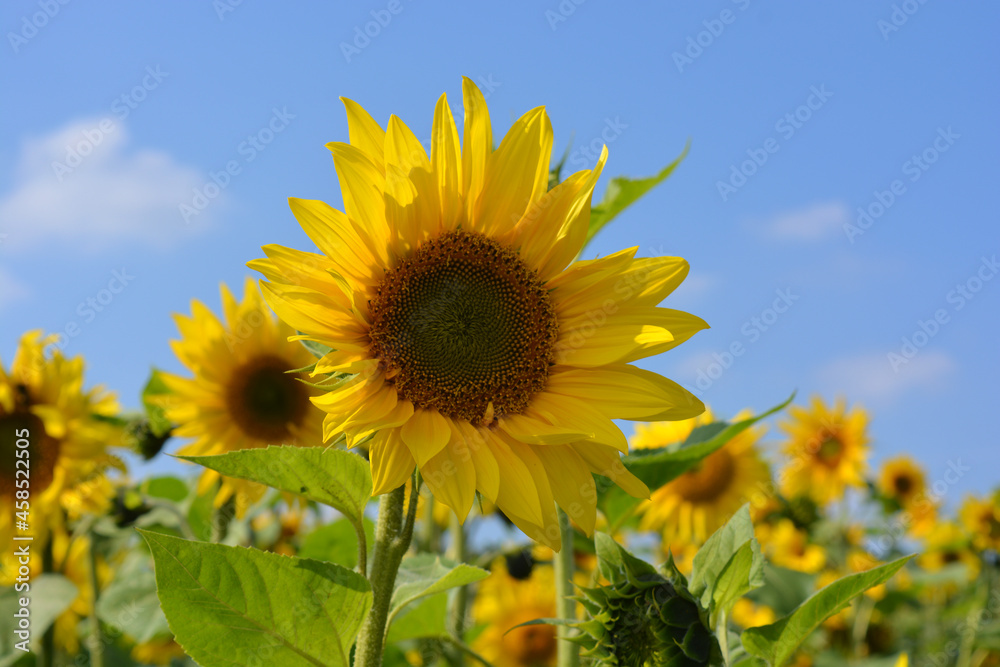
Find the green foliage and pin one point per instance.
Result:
(657, 467)
(50, 595)
(622, 192)
(728, 566)
(155, 389)
(777, 642)
(337, 542)
(333, 477)
(236, 606)
(425, 575)
(130, 604)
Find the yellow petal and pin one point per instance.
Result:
(569, 412)
(362, 185)
(354, 250)
(547, 531)
(626, 392)
(517, 174)
(605, 461)
(628, 334)
(446, 163)
(487, 468)
(536, 431)
(477, 143)
(572, 484)
(518, 495)
(426, 434)
(364, 132)
(451, 477)
(391, 462)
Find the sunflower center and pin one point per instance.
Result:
(40, 460)
(264, 400)
(903, 485)
(709, 480)
(464, 323)
(531, 644)
(830, 451)
(950, 557)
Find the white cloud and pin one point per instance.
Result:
(80, 186)
(872, 377)
(813, 223)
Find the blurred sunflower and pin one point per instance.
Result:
(161, 651)
(693, 506)
(68, 431)
(946, 544)
(71, 559)
(475, 354)
(827, 447)
(787, 546)
(981, 517)
(902, 479)
(504, 601)
(242, 395)
(748, 614)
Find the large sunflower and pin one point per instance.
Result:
(827, 449)
(475, 351)
(42, 400)
(693, 506)
(242, 395)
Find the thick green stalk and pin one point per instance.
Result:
(393, 532)
(96, 638)
(722, 634)
(456, 552)
(569, 653)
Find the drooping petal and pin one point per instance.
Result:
(572, 484)
(391, 462)
(451, 476)
(426, 433)
(605, 461)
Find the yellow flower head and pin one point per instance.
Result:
(827, 448)
(162, 651)
(789, 547)
(43, 404)
(946, 544)
(504, 601)
(981, 517)
(241, 394)
(477, 351)
(747, 614)
(902, 479)
(693, 506)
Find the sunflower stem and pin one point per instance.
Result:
(392, 539)
(456, 552)
(96, 638)
(49, 638)
(568, 652)
(722, 634)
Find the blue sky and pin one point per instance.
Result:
(829, 107)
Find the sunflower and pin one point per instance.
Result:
(903, 480)
(242, 395)
(748, 614)
(161, 651)
(693, 506)
(827, 448)
(504, 601)
(981, 518)
(787, 546)
(68, 430)
(472, 352)
(946, 544)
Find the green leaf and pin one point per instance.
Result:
(777, 642)
(717, 552)
(743, 573)
(170, 488)
(426, 619)
(50, 595)
(623, 191)
(235, 606)
(318, 350)
(427, 574)
(156, 388)
(337, 542)
(333, 477)
(783, 589)
(656, 467)
(129, 603)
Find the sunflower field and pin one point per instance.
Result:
(430, 434)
